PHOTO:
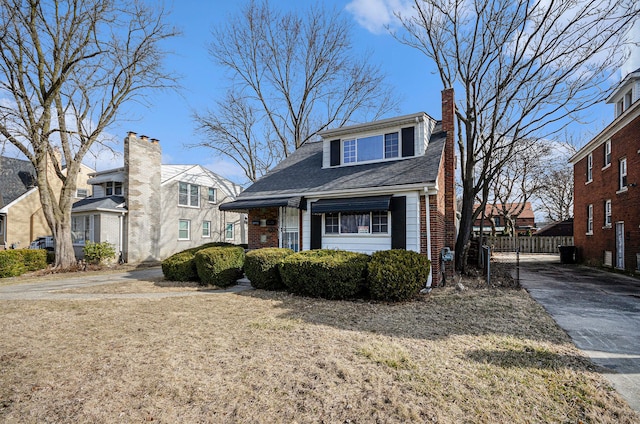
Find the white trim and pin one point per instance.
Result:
(414, 118)
(427, 214)
(5, 208)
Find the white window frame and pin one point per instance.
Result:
(350, 148)
(628, 99)
(81, 196)
(113, 188)
(622, 173)
(589, 168)
(607, 154)
(210, 191)
(590, 220)
(188, 229)
(82, 224)
(206, 229)
(228, 231)
(607, 213)
(191, 202)
(371, 225)
(619, 107)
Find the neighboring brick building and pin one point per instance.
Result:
(504, 219)
(606, 192)
(381, 185)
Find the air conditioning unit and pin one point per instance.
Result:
(608, 258)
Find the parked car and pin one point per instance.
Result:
(46, 242)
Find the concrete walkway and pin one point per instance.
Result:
(54, 287)
(599, 310)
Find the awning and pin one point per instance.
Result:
(245, 204)
(352, 204)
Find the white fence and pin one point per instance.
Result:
(528, 244)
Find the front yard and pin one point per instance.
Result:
(482, 356)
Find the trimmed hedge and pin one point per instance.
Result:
(34, 259)
(11, 263)
(261, 267)
(397, 275)
(330, 274)
(182, 267)
(220, 266)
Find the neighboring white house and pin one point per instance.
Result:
(149, 211)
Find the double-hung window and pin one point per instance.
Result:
(589, 167)
(228, 231)
(188, 194)
(607, 213)
(623, 173)
(356, 223)
(607, 153)
(206, 229)
(590, 219)
(211, 195)
(184, 229)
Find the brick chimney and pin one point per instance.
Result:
(142, 167)
(448, 125)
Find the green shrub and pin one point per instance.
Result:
(182, 267)
(34, 259)
(331, 274)
(261, 267)
(98, 253)
(51, 257)
(397, 275)
(11, 263)
(219, 266)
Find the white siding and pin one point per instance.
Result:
(413, 221)
(364, 244)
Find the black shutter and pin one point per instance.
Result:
(335, 152)
(408, 142)
(316, 231)
(399, 222)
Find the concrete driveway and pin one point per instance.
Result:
(599, 310)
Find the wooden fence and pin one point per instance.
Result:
(528, 244)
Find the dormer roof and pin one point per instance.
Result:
(624, 85)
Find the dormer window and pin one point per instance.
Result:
(628, 99)
(113, 188)
(370, 148)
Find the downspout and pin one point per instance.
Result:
(120, 238)
(427, 288)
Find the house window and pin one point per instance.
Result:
(1, 224)
(184, 229)
(206, 229)
(619, 107)
(623, 173)
(628, 99)
(607, 213)
(356, 223)
(607, 153)
(370, 148)
(113, 188)
(188, 194)
(228, 231)
(211, 196)
(590, 219)
(82, 193)
(80, 229)
(590, 167)
(331, 225)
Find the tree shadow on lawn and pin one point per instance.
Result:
(527, 356)
(441, 314)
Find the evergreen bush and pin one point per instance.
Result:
(98, 253)
(182, 267)
(261, 267)
(330, 274)
(397, 275)
(219, 266)
(11, 263)
(34, 259)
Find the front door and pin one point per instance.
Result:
(290, 228)
(620, 245)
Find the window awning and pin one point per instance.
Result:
(245, 204)
(352, 204)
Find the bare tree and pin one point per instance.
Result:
(68, 67)
(298, 71)
(522, 70)
(556, 194)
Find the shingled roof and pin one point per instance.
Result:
(17, 176)
(302, 173)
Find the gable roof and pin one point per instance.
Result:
(17, 176)
(199, 175)
(302, 174)
(110, 203)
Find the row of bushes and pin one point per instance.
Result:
(392, 275)
(218, 264)
(16, 262)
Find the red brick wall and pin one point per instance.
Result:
(255, 232)
(625, 206)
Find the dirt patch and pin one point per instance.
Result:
(449, 357)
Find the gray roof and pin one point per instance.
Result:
(17, 176)
(109, 203)
(302, 173)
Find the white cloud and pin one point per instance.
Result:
(633, 61)
(376, 15)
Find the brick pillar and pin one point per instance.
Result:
(448, 125)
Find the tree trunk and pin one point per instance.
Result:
(65, 255)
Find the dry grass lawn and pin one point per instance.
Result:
(481, 356)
